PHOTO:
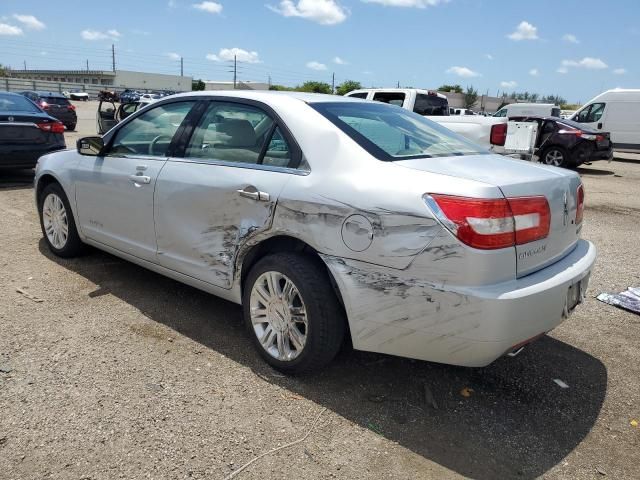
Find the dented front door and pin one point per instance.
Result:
(205, 212)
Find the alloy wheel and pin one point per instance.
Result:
(278, 316)
(554, 157)
(55, 221)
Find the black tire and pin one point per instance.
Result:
(71, 127)
(325, 317)
(73, 245)
(555, 151)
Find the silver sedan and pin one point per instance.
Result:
(324, 215)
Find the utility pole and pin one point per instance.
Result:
(113, 57)
(181, 67)
(235, 71)
(398, 83)
(25, 65)
(269, 82)
(333, 82)
(87, 65)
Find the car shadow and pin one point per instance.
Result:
(507, 420)
(16, 179)
(593, 171)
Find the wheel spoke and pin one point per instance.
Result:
(266, 340)
(273, 281)
(297, 339)
(288, 291)
(262, 294)
(259, 315)
(282, 347)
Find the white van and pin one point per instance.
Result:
(528, 110)
(617, 112)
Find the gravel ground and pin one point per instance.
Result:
(110, 371)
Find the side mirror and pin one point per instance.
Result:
(90, 146)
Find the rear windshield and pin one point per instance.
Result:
(56, 100)
(392, 133)
(17, 103)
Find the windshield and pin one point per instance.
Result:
(16, 103)
(392, 133)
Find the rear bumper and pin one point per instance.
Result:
(467, 326)
(26, 156)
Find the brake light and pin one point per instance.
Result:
(498, 134)
(490, 224)
(580, 204)
(71, 107)
(44, 105)
(53, 127)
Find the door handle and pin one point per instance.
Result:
(600, 126)
(140, 179)
(253, 193)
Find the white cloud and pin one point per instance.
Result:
(324, 12)
(92, 35)
(408, 3)
(509, 84)
(562, 70)
(172, 4)
(586, 62)
(534, 72)
(568, 37)
(524, 31)
(6, 29)
(173, 56)
(226, 54)
(463, 72)
(620, 71)
(488, 56)
(209, 7)
(313, 65)
(340, 61)
(29, 21)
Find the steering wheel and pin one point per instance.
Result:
(154, 143)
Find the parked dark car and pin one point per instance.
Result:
(564, 143)
(56, 105)
(26, 132)
(108, 114)
(129, 96)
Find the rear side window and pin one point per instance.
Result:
(238, 133)
(358, 95)
(56, 101)
(501, 113)
(431, 105)
(11, 103)
(555, 112)
(393, 98)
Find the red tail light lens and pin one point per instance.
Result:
(580, 204)
(53, 127)
(71, 107)
(490, 224)
(498, 134)
(44, 105)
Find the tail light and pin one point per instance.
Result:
(580, 205)
(44, 105)
(71, 107)
(498, 134)
(53, 127)
(490, 224)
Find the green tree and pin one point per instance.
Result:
(470, 97)
(450, 88)
(314, 87)
(4, 71)
(197, 85)
(281, 88)
(348, 86)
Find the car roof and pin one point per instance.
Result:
(50, 94)
(11, 94)
(269, 96)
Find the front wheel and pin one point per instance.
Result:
(292, 312)
(56, 221)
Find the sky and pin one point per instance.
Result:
(571, 48)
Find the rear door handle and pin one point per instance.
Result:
(143, 179)
(253, 193)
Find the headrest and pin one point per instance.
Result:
(240, 133)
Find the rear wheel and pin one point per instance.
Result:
(292, 313)
(556, 156)
(56, 221)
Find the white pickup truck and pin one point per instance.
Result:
(490, 132)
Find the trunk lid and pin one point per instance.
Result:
(517, 178)
(20, 129)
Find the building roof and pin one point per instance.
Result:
(108, 73)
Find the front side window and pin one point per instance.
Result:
(393, 98)
(238, 133)
(501, 113)
(150, 133)
(591, 113)
(391, 133)
(431, 105)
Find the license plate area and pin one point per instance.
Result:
(575, 294)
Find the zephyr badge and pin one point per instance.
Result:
(565, 217)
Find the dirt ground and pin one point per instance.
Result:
(110, 371)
